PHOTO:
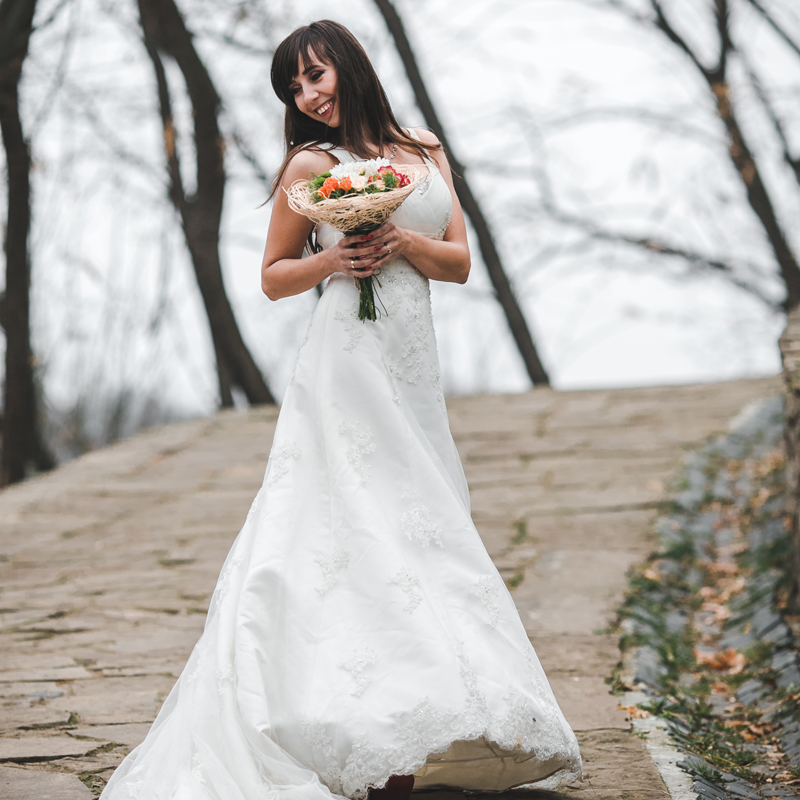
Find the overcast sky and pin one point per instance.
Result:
(613, 119)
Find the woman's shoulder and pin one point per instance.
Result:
(314, 158)
(425, 136)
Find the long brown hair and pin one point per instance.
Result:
(365, 115)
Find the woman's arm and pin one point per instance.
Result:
(446, 260)
(284, 272)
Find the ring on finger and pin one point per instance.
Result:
(388, 250)
(352, 264)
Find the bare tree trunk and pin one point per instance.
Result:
(502, 286)
(790, 356)
(740, 152)
(22, 443)
(165, 32)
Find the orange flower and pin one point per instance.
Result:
(345, 183)
(330, 185)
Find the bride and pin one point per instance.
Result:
(359, 637)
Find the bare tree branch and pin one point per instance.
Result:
(663, 24)
(697, 261)
(771, 21)
(644, 116)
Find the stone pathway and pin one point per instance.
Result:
(107, 566)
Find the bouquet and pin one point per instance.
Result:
(356, 197)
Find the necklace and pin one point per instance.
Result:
(394, 152)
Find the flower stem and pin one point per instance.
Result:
(366, 300)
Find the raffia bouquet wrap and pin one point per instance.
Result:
(356, 197)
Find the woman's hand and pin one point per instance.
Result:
(360, 256)
(387, 242)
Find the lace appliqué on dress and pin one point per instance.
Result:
(442, 229)
(200, 664)
(403, 282)
(429, 729)
(135, 786)
(418, 524)
(318, 740)
(435, 378)
(363, 445)
(278, 461)
(224, 582)
(332, 564)
(485, 589)
(352, 325)
(224, 678)
(417, 343)
(426, 184)
(396, 374)
(357, 665)
(409, 583)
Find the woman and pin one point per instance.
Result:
(359, 633)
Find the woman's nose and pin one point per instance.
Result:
(310, 94)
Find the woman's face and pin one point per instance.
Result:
(314, 90)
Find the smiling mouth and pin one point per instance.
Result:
(325, 108)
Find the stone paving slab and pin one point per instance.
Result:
(24, 784)
(107, 565)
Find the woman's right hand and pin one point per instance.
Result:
(355, 260)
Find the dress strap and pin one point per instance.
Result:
(414, 135)
(341, 154)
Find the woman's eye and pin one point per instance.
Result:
(315, 76)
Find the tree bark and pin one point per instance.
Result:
(165, 32)
(740, 152)
(790, 357)
(502, 287)
(21, 439)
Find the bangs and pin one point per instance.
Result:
(304, 44)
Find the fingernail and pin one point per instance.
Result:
(364, 238)
(369, 237)
(377, 248)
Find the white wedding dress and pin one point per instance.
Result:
(358, 629)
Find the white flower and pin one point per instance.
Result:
(358, 170)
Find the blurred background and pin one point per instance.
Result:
(634, 167)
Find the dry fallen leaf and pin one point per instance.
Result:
(732, 587)
(724, 567)
(728, 660)
(634, 712)
(736, 723)
(763, 495)
(720, 612)
(732, 549)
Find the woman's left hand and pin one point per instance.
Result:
(392, 241)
